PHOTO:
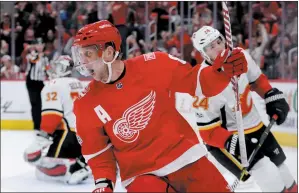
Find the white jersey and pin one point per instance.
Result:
(219, 110)
(58, 97)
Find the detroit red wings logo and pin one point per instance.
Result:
(135, 119)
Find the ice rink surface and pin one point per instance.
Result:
(18, 176)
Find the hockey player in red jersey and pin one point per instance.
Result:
(217, 123)
(57, 138)
(127, 116)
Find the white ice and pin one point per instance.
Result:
(18, 176)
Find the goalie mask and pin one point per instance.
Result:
(60, 67)
(89, 44)
(203, 38)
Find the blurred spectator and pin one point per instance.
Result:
(9, 70)
(258, 45)
(46, 22)
(160, 13)
(4, 49)
(292, 19)
(103, 14)
(68, 45)
(40, 21)
(92, 12)
(5, 28)
(119, 16)
(292, 68)
(30, 30)
(49, 43)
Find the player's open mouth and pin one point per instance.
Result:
(91, 72)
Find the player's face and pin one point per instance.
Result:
(215, 48)
(91, 60)
(88, 55)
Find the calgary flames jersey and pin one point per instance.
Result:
(134, 121)
(57, 104)
(219, 110)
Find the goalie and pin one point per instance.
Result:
(216, 120)
(63, 160)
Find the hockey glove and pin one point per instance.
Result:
(233, 65)
(33, 153)
(103, 185)
(105, 189)
(276, 104)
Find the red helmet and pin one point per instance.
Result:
(95, 35)
(98, 33)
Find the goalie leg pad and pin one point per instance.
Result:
(59, 169)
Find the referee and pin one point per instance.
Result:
(35, 76)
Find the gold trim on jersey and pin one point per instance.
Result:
(66, 130)
(52, 113)
(252, 129)
(60, 143)
(212, 126)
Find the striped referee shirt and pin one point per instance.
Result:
(37, 70)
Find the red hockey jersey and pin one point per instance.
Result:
(133, 121)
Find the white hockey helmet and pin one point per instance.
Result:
(203, 37)
(60, 67)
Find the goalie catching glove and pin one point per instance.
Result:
(33, 153)
(276, 105)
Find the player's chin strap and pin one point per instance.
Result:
(109, 64)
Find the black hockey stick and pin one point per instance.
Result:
(255, 151)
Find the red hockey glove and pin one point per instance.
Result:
(233, 65)
(105, 189)
(103, 185)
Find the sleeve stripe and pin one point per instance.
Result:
(45, 110)
(208, 123)
(89, 156)
(52, 113)
(212, 126)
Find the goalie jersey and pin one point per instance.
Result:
(57, 104)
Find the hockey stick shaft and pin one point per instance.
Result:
(255, 151)
(234, 81)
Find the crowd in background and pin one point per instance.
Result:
(272, 41)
